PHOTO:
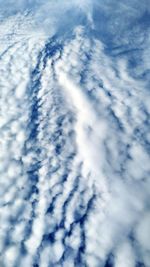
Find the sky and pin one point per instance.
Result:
(74, 133)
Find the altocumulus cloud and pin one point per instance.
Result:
(74, 134)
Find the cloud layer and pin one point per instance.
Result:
(74, 134)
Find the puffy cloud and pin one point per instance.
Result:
(74, 118)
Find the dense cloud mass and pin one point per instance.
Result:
(74, 133)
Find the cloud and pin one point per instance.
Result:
(74, 185)
(103, 135)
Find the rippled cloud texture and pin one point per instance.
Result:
(74, 133)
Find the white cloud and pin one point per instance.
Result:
(80, 183)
